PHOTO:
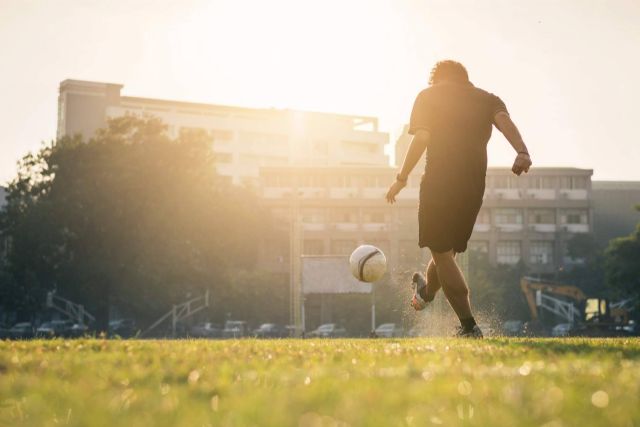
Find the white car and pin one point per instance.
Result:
(328, 330)
(206, 330)
(389, 330)
(561, 330)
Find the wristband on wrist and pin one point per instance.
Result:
(400, 179)
(523, 152)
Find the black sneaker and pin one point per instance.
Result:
(476, 332)
(418, 283)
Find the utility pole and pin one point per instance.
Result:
(295, 252)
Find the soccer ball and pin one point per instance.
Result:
(368, 263)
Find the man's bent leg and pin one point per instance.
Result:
(433, 283)
(454, 286)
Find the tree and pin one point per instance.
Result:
(589, 274)
(130, 217)
(495, 289)
(622, 266)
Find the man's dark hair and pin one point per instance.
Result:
(450, 71)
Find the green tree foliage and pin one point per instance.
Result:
(589, 274)
(622, 266)
(495, 289)
(130, 217)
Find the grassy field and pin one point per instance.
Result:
(406, 382)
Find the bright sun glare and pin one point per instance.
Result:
(290, 54)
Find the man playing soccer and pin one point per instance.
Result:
(452, 120)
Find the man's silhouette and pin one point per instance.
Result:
(452, 119)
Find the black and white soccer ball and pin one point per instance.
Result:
(368, 263)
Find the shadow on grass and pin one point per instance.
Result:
(628, 348)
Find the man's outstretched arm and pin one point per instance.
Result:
(414, 153)
(510, 131)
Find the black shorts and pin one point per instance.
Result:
(446, 224)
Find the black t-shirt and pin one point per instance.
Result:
(459, 118)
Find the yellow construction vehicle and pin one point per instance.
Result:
(590, 316)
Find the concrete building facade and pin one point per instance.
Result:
(529, 218)
(614, 207)
(244, 139)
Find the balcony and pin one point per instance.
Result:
(373, 193)
(506, 194)
(576, 228)
(312, 192)
(573, 194)
(313, 226)
(346, 226)
(276, 192)
(545, 194)
(343, 193)
(482, 228)
(543, 228)
(509, 228)
(375, 226)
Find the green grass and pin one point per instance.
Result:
(406, 382)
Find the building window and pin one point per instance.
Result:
(575, 216)
(343, 215)
(374, 181)
(573, 182)
(502, 182)
(481, 246)
(343, 181)
(342, 247)
(375, 215)
(312, 216)
(542, 216)
(313, 181)
(541, 252)
(313, 247)
(508, 252)
(508, 216)
(542, 182)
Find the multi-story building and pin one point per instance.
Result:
(614, 209)
(529, 218)
(245, 139)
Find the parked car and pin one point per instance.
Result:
(206, 330)
(124, 328)
(328, 330)
(631, 329)
(512, 328)
(235, 329)
(389, 330)
(22, 330)
(270, 330)
(54, 328)
(561, 330)
(78, 330)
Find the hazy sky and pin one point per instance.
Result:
(569, 71)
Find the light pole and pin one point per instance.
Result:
(295, 251)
